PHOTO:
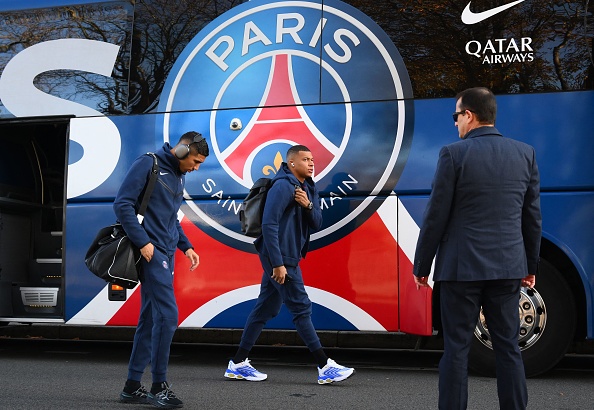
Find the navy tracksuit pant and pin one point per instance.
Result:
(272, 296)
(158, 319)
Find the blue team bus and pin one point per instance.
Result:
(86, 86)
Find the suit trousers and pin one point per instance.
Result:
(158, 319)
(460, 308)
(270, 300)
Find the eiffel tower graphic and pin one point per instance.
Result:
(280, 119)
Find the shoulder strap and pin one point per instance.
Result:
(149, 187)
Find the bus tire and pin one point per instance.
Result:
(547, 325)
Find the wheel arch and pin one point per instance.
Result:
(553, 254)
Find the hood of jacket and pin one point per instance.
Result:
(285, 173)
(168, 160)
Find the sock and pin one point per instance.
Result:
(157, 387)
(241, 355)
(131, 386)
(320, 357)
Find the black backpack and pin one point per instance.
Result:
(252, 208)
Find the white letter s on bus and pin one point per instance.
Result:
(98, 136)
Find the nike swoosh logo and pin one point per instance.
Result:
(163, 173)
(468, 17)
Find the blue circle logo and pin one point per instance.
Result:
(267, 75)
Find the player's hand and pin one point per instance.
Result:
(194, 258)
(301, 197)
(279, 274)
(147, 251)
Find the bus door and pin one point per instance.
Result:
(32, 196)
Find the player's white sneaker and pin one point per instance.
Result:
(244, 371)
(333, 372)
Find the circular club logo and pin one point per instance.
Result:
(267, 75)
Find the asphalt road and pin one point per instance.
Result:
(64, 374)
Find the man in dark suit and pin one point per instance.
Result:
(483, 220)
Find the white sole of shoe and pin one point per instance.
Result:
(234, 376)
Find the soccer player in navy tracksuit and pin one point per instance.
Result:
(291, 212)
(158, 237)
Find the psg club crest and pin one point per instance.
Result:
(267, 75)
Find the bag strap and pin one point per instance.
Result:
(149, 188)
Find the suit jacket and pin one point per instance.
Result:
(483, 217)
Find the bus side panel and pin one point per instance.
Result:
(361, 268)
(82, 223)
(562, 151)
(415, 304)
(567, 222)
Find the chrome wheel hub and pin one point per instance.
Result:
(533, 318)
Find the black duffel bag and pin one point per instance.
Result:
(113, 257)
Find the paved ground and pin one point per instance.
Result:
(58, 374)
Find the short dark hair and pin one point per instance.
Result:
(196, 142)
(481, 101)
(295, 149)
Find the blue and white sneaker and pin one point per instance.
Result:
(333, 372)
(244, 371)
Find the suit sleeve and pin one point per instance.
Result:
(532, 219)
(436, 216)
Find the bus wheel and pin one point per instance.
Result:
(547, 326)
